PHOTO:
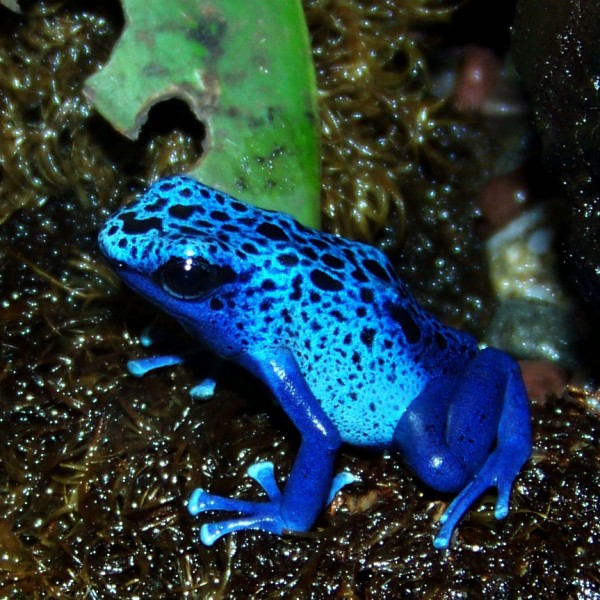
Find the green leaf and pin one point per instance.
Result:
(245, 69)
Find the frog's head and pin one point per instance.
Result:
(183, 244)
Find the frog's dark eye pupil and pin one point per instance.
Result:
(188, 278)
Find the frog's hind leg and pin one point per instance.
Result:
(469, 434)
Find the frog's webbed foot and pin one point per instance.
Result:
(499, 471)
(139, 367)
(266, 516)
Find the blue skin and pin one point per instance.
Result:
(346, 350)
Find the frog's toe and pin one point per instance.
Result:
(271, 523)
(139, 367)
(503, 500)
(264, 474)
(339, 481)
(204, 390)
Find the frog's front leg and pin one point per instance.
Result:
(469, 434)
(310, 484)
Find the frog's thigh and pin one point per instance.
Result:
(450, 429)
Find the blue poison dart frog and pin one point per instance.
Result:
(339, 340)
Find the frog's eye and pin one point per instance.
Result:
(191, 278)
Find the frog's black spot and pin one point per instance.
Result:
(273, 232)
(203, 224)
(314, 297)
(315, 326)
(325, 282)
(388, 344)
(350, 256)
(359, 275)
(411, 330)
(297, 287)
(231, 228)
(122, 243)
(319, 243)
(219, 215)
(333, 261)
(372, 406)
(247, 221)
(158, 205)
(239, 206)
(268, 285)
(266, 304)
(356, 358)
(216, 304)
(297, 238)
(288, 260)
(440, 340)
(307, 344)
(186, 192)
(376, 269)
(269, 319)
(366, 295)
(112, 230)
(309, 252)
(219, 198)
(250, 292)
(347, 339)
(249, 248)
(285, 314)
(366, 336)
(187, 231)
(223, 237)
(205, 193)
(338, 316)
(361, 312)
(131, 225)
(166, 186)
